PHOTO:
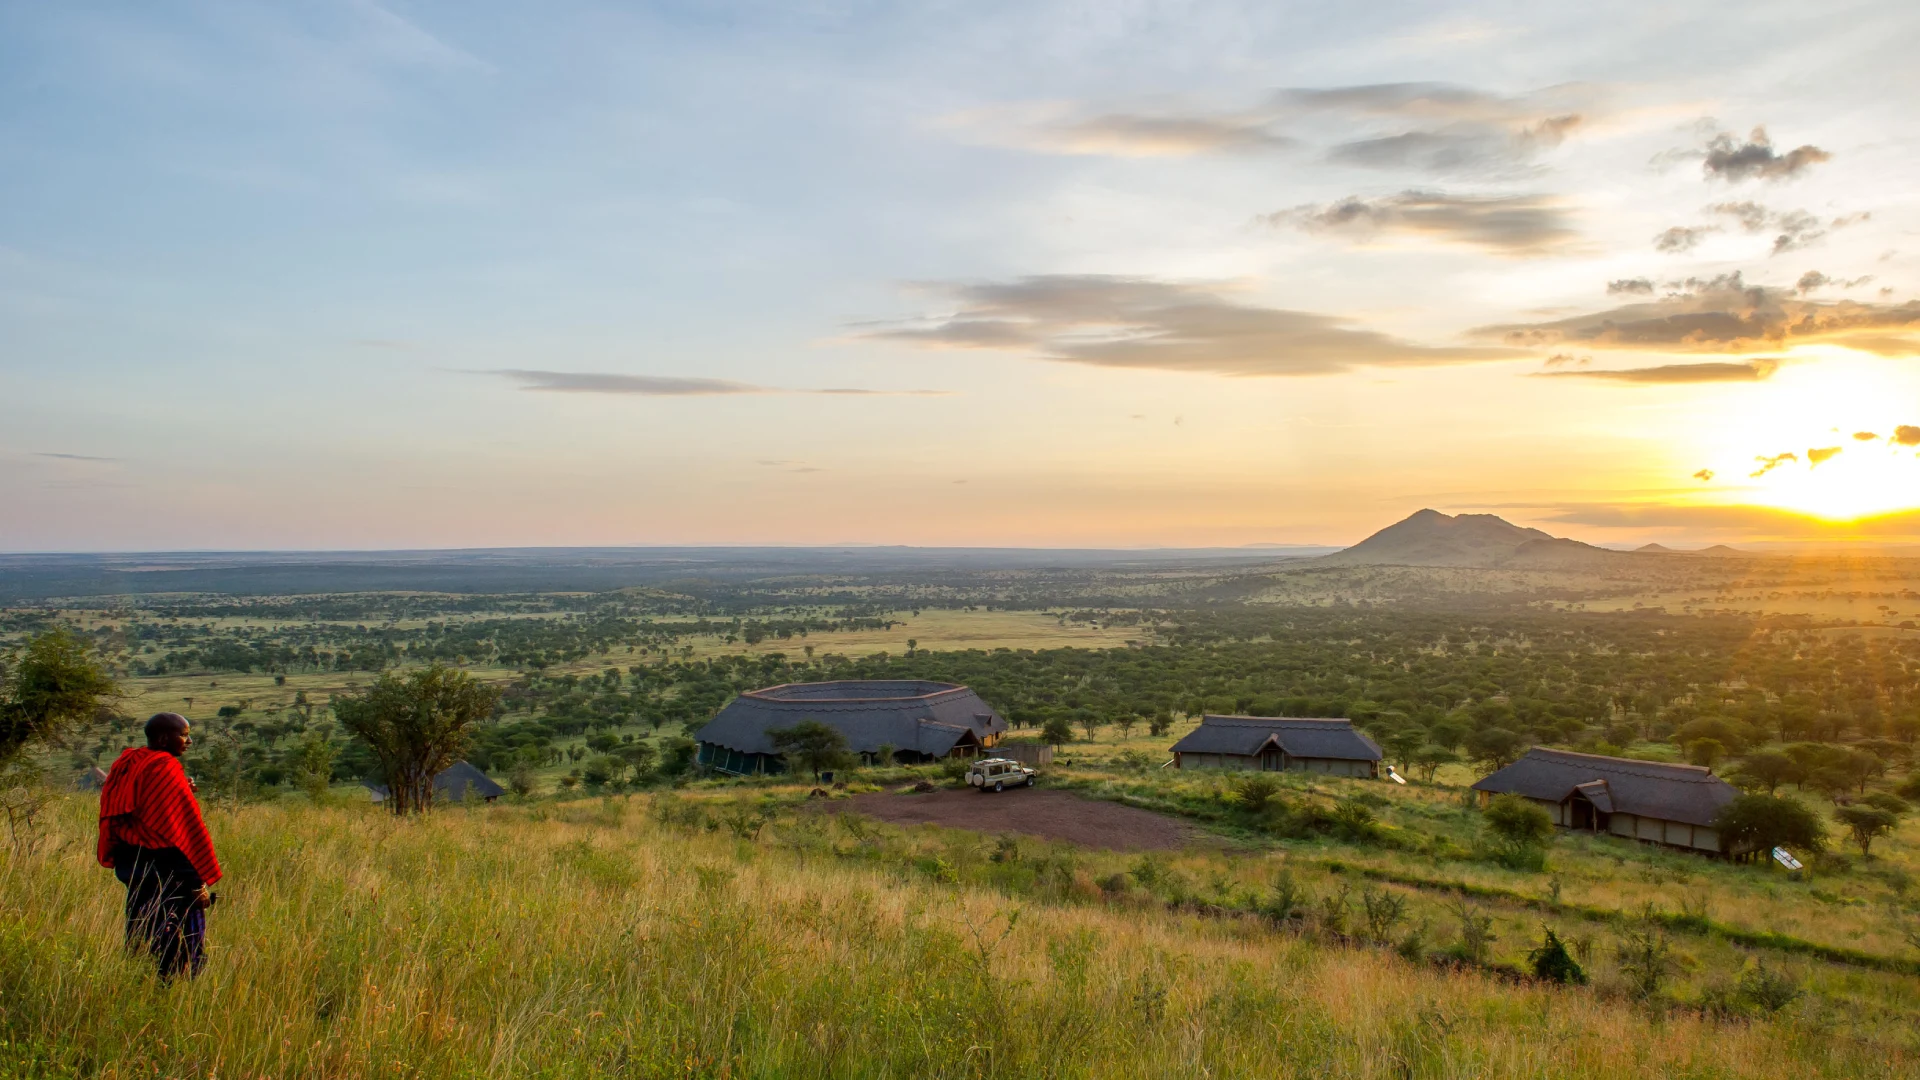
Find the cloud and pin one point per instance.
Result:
(1725, 157)
(1797, 228)
(593, 382)
(1123, 135)
(1509, 224)
(1682, 238)
(1125, 322)
(1563, 359)
(1733, 371)
(73, 457)
(1725, 315)
(1630, 286)
(1907, 435)
(1866, 436)
(589, 382)
(1703, 475)
(1811, 280)
(1426, 127)
(1768, 464)
(1822, 455)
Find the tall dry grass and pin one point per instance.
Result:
(583, 939)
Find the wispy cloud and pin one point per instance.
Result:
(1509, 224)
(1435, 128)
(73, 457)
(1717, 371)
(1126, 322)
(594, 382)
(1726, 315)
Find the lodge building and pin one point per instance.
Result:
(1654, 801)
(920, 720)
(1272, 744)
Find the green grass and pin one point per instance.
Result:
(592, 938)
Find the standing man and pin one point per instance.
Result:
(154, 840)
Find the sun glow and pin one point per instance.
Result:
(1802, 444)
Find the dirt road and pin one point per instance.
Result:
(1056, 815)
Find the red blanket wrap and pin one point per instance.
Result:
(146, 801)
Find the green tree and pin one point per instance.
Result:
(1705, 751)
(416, 725)
(811, 745)
(1772, 768)
(47, 693)
(1057, 731)
(1430, 757)
(1763, 822)
(313, 763)
(1494, 748)
(52, 689)
(1867, 824)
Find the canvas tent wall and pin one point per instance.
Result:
(919, 719)
(1654, 801)
(1269, 744)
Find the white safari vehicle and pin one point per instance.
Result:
(999, 774)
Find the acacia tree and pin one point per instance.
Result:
(416, 725)
(51, 689)
(1866, 823)
(812, 745)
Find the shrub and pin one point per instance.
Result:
(1382, 909)
(1552, 962)
(1518, 821)
(1765, 991)
(1286, 899)
(1256, 792)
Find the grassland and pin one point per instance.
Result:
(592, 938)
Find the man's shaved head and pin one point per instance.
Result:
(165, 729)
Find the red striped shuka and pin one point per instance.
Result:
(147, 802)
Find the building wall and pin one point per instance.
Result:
(1246, 763)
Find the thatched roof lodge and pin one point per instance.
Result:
(919, 719)
(1653, 801)
(1271, 744)
(457, 782)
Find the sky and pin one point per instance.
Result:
(319, 274)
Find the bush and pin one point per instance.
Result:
(1763, 822)
(1516, 820)
(1552, 962)
(1256, 792)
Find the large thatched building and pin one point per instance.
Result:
(919, 721)
(1271, 744)
(1644, 800)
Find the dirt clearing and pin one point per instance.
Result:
(1056, 815)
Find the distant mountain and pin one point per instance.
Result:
(1717, 551)
(1431, 538)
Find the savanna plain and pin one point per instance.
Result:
(621, 910)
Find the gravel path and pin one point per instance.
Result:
(1056, 815)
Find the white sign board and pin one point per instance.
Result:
(1785, 858)
(1394, 776)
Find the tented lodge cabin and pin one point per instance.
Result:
(912, 719)
(1273, 744)
(1642, 800)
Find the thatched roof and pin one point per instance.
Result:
(456, 782)
(1247, 736)
(906, 714)
(1690, 794)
